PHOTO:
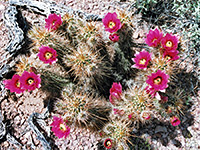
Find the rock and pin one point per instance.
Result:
(36, 142)
(6, 144)
(176, 143)
(27, 135)
(18, 120)
(24, 141)
(160, 129)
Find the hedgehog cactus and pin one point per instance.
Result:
(116, 134)
(79, 62)
(83, 110)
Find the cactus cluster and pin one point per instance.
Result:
(89, 66)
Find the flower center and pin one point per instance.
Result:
(48, 55)
(63, 127)
(111, 24)
(18, 84)
(154, 40)
(53, 23)
(157, 80)
(169, 44)
(108, 143)
(142, 61)
(174, 121)
(30, 81)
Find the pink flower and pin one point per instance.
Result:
(30, 81)
(158, 80)
(153, 38)
(130, 116)
(145, 115)
(141, 60)
(118, 112)
(53, 22)
(111, 22)
(13, 84)
(108, 143)
(47, 54)
(115, 92)
(59, 127)
(169, 42)
(175, 121)
(114, 37)
(171, 55)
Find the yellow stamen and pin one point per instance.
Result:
(48, 55)
(108, 143)
(30, 81)
(157, 80)
(53, 23)
(169, 44)
(142, 61)
(18, 84)
(111, 24)
(154, 40)
(63, 127)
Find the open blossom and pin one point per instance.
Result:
(59, 127)
(175, 121)
(30, 81)
(153, 38)
(114, 37)
(115, 92)
(53, 22)
(108, 143)
(169, 42)
(47, 54)
(171, 55)
(111, 22)
(13, 84)
(141, 60)
(145, 115)
(158, 80)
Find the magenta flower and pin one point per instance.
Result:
(108, 143)
(145, 115)
(141, 60)
(30, 81)
(111, 22)
(118, 112)
(169, 42)
(115, 92)
(47, 54)
(175, 121)
(158, 80)
(53, 22)
(59, 127)
(114, 37)
(153, 38)
(13, 84)
(163, 99)
(171, 55)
